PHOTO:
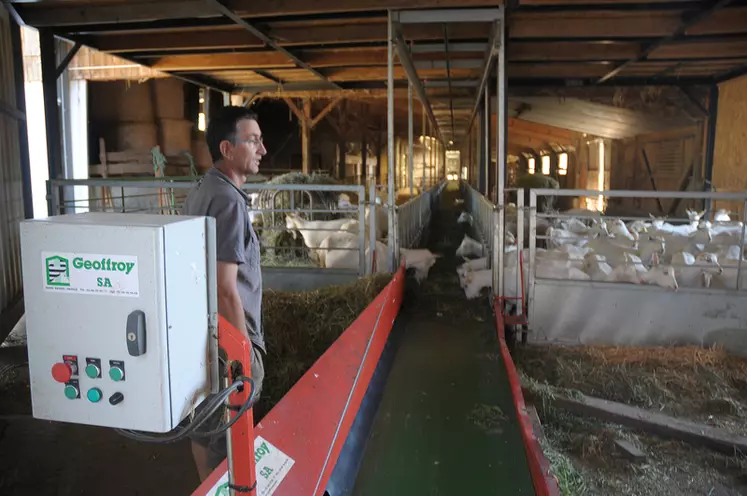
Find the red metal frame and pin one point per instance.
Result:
(312, 421)
(545, 483)
(238, 348)
(515, 320)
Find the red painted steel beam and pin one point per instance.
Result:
(312, 421)
(545, 484)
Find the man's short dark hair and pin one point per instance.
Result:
(222, 126)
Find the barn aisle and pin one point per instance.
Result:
(446, 422)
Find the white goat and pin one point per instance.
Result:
(465, 217)
(313, 232)
(596, 267)
(721, 215)
(470, 248)
(618, 229)
(419, 259)
(638, 227)
(695, 271)
(342, 251)
(663, 276)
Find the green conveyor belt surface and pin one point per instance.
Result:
(446, 424)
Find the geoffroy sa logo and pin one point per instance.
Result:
(104, 265)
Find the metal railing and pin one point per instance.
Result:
(725, 239)
(510, 265)
(414, 216)
(273, 202)
(483, 215)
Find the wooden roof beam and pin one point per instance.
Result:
(689, 20)
(300, 34)
(619, 25)
(220, 7)
(45, 14)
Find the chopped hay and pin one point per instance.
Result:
(705, 385)
(585, 461)
(301, 326)
(489, 418)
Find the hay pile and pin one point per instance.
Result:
(705, 385)
(301, 326)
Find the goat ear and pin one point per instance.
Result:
(700, 214)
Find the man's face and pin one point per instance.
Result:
(248, 150)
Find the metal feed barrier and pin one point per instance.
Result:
(163, 196)
(487, 217)
(414, 216)
(483, 214)
(621, 313)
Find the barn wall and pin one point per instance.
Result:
(675, 159)
(730, 152)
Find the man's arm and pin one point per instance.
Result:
(229, 302)
(230, 225)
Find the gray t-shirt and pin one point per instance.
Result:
(216, 196)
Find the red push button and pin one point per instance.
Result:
(61, 372)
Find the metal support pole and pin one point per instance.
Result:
(741, 246)
(423, 133)
(362, 269)
(372, 207)
(410, 158)
(710, 145)
(500, 146)
(486, 154)
(532, 251)
(390, 141)
(519, 248)
(51, 109)
(23, 140)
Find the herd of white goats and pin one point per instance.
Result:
(336, 243)
(582, 245)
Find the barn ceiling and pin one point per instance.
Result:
(324, 47)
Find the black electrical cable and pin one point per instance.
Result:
(201, 418)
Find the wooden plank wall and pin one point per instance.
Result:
(730, 153)
(676, 161)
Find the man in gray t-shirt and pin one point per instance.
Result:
(234, 140)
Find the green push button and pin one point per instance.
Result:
(92, 371)
(71, 392)
(116, 374)
(94, 395)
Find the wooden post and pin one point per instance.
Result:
(364, 158)
(306, 137)
(340, 167)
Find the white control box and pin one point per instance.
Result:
(118, 316)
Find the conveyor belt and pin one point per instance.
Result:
(446, 422)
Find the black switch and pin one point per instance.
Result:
(116, 398)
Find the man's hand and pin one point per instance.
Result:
(229, 301)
